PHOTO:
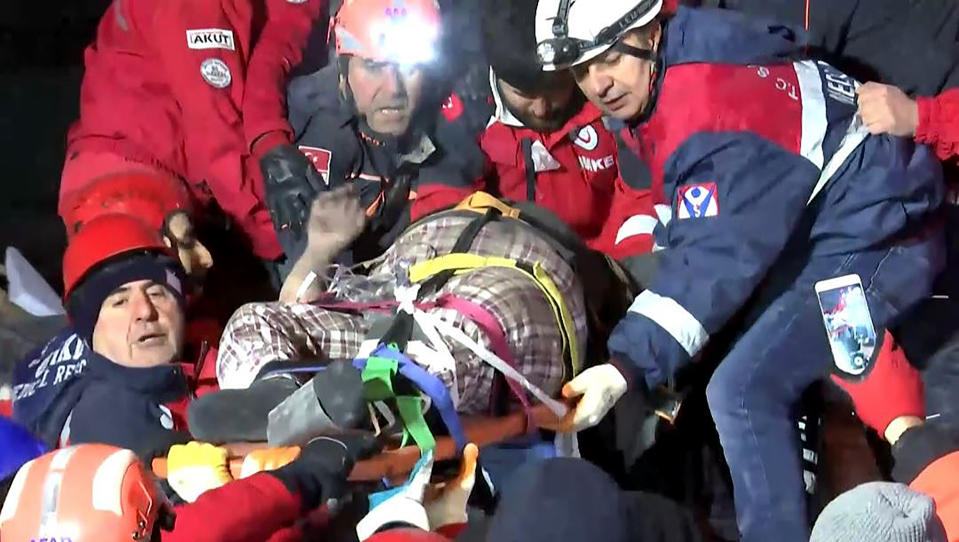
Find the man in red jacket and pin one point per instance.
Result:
(181, 89)
(545, 141)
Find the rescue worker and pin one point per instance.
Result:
(105, 493)
(183, 91)
(774, 186)
(44, 379)
(125, 298)
(545, 142)
(375, 119)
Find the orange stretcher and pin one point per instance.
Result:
(397, 463)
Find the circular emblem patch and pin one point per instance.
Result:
(587, 138)
(216, 73)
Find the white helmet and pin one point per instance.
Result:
(571, 32)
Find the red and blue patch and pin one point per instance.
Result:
(699, 200)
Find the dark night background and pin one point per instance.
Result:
(41, 63)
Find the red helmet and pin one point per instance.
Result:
(102, 238)
(149, 196)
(406, 535)
(89, 492)
(402, 31)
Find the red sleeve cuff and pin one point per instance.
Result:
(928, 113)
(269, 141)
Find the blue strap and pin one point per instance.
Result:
(430, 385)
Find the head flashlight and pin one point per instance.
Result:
(563, 50)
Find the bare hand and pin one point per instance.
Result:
(336, 218)
(887, 110)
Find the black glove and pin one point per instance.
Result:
(320, 472)
(291, 183)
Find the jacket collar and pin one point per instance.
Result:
(164, 382)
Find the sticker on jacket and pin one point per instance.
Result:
(216, 73)
(697, 201)
(321, 160)
(210, 38)
(587, 138)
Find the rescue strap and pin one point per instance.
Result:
(426, 382)
(456, 263)
(483, 319)
(378, 374)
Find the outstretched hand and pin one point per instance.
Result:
(336, 219)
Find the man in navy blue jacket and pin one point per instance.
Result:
(774, 185)
(113, 378)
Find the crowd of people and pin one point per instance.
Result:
(332, 230)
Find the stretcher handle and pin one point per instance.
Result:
(394, 464)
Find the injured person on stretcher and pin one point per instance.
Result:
(486, 299)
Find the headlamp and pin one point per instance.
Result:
(408, 41)
(562, 50)
(558, 51)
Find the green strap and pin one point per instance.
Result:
(378, 378)
(411, 412)
(378, 386)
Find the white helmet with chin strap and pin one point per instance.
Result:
(571, 32)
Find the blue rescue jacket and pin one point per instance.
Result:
(743, 149)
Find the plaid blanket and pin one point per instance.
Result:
(262, 332)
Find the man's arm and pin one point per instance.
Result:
(733, 211)
(336, 219)
(933, 120)
(277, 51)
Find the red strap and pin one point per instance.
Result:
(490, 326)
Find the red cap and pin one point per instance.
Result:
(105, 237)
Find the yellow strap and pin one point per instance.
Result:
(463, 262)
(479, 202)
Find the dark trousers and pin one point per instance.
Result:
(784, 349)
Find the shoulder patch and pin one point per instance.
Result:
(210, 38)
(321, 160)
(699, 200)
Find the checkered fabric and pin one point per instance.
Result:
(264, 332)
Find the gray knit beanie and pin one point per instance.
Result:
(879, 512)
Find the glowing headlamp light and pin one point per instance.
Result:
(407, 41)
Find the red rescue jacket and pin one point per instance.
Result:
(571, 171)
(166, 85)
(255, 509)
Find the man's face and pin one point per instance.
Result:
(384, 93)
(618, 83)
(545, 111)
(140, 325)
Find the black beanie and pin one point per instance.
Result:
(83, 305)
(509, 43)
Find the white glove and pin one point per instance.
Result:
(405, 505)
(598, 388)
(449, 508)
